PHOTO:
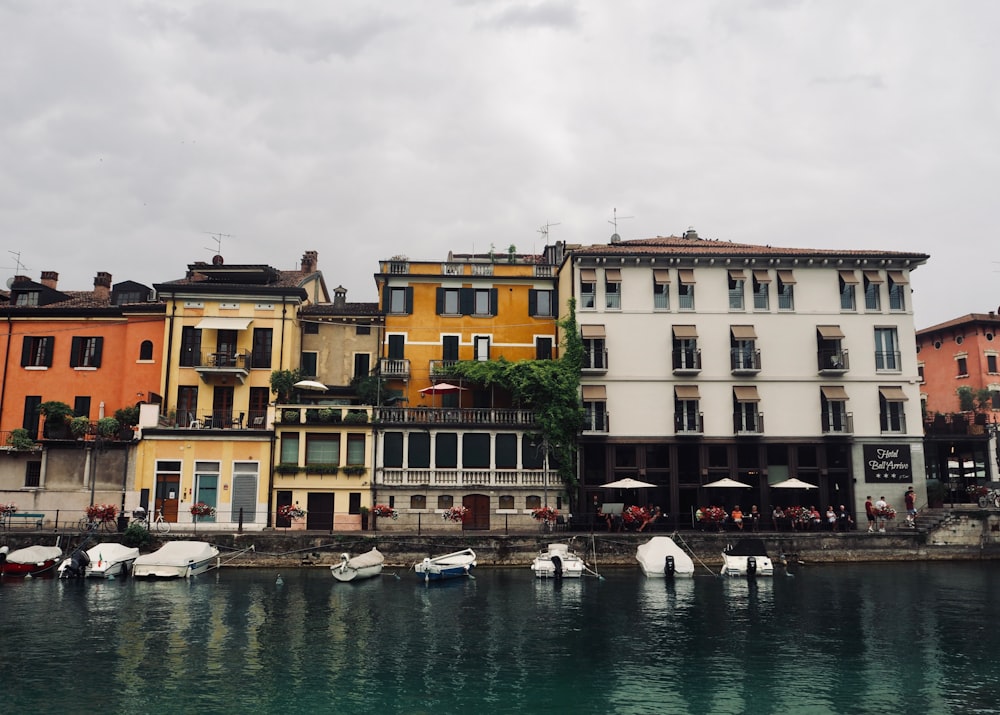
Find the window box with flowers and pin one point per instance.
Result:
(287, 468)
(355, 470)
(455, 514)
(322, 468)
(291, 511)
(385, 511)
(200, 508)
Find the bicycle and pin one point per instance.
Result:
(107, 524)
(141, 516)
(990, 499)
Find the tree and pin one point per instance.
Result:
(371, 390)
(283, 383)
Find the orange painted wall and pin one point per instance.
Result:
(118, 382)
(938, 350)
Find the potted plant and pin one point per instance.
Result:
(79, 427)
(364, 518)
(108, 427)
(57, 416)
(290, 417)
(20, 440)
(128, 418)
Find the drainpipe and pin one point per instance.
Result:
(6, 362)
(170, 351)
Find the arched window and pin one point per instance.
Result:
(146, 350)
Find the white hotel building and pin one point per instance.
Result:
(707, 359)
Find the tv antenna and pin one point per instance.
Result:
(19, 268)
(544, 230)
(615, 238)
(217, 237)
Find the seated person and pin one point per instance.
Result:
(778, 518)
(650, 517)
(738, 517)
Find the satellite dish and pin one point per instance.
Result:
(615, 238)
(10, 282)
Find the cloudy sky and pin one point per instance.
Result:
(130, 132)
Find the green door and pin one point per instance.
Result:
(208, 492)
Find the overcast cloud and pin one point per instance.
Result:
(129, 131)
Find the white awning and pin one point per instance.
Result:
(215, 323)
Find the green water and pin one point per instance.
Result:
(918, 638)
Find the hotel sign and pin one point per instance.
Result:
(887, 464)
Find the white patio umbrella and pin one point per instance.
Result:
(793, 483)
(627, 483)
(441, 388)
(726, 483)
(310, 385)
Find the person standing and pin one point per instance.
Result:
(870, 513)
(844, 520)
(754, 519)
(880, 506)
(910, 498)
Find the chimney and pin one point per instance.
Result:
(50, 279)
(339, 297)
(691, 234)
(102, 285)
(21, 279)
(310, 259)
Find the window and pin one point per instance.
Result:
(897, 290)
(833, 402)
(289, 448)
(892, 417)
(686, 403)
(445, 501)
(124, 297)
(685, 289)
(33, 474)
(506, 501)
(830, 355)
(418, 450)
(736, 282)
(786, 290)
(29, 420)
(261, 352)
(746, 418)
(446, 450)
(541, 303)
(485, 300)
(190, 346)
(588, 288)
(532, 453)
(595, 408)
(310, 328)
(686, 356)
(613, 288)
(887, 355)
(447, 299)
(322, 449)
(848, 281)
(37, 351)
(920, 373)
(482, 347)
(81, 407)
(392, 449)
(661, 289)
(506, 451)
(543, 348)
(28, 297)
(744, 354)
(963, 366)
(991, 363)
(761, 292)
(873, 285)
(476, 450)
(146, 350)
(995, 399)
(400, 301)
(595, 354)
(418, 501)
(396, 347)
(362, 365)
(187, 405)
(532, 502)
(355, 449)
(363, 330)
(307, 364)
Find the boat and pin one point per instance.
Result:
(29, 561)
(453, 565)
(176, 559)
(557, 561)
(747, 558)
(660, 557)
(360, 567)
(106, 560)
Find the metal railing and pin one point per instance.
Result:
(455, 416)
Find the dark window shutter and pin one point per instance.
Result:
(446, 450)
(392, 449)
(26, 351)
(532, 302)
(494, 298)
(419, 451)
(409, 300)
(98, 349)
(439, 301)
(47, 350)
(506, 451)
(466, 301)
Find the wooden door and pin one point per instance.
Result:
(168, 489)
(478, 518)
(319, 511)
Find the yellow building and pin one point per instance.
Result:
(443, 446)
(227, 328)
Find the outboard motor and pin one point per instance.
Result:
(76, 566)
(668, 567)
(4, 550)
(557, 566)
(751, 566)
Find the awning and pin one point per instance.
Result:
(835, 393)
(588, 275)
(613, 275)
(593, 393)
(736, 275)
(746, 393)
(830, 332)
(686, 392)
(592, 331)
(216, 323)
(873, 276)
(898, 277)
(786, 277)
(761, 276)
(661, 275)
(849, 277)
(685, 275)
(893, 394)
(743, 332)
(685, 331)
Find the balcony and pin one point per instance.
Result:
(748, 423)
(460, 478)
(223, 364)
(838, 423)
(394, 367)
(455, 416)
(441, 368)
(686, 361)
(744, 361)
(833, 362)
(685, 424)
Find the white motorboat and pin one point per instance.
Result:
(176, 559)
(557, 561)
(453, 565)
(660, 557)
(107, 560)
(29, 561)
(747, 558)
(360, 567)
